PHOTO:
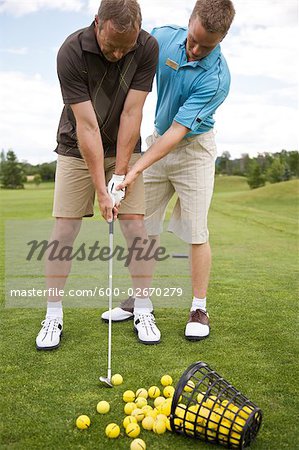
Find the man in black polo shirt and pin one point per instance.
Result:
(105, 72)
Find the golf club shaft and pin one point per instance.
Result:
(111, 226)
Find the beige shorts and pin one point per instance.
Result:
(74, 191)
(189, 171)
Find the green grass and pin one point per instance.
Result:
(252, 303)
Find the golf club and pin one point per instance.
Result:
(107, 380)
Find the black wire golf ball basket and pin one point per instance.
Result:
(207, 407)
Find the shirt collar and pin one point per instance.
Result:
(90, 44)
(204, 63)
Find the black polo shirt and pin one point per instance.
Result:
(85, 74)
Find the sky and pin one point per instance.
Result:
(261, 48)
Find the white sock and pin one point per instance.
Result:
(143, 306)
(54, 309)
(198, 303)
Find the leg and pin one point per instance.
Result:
(141, 269)
(193, 179)
(65, 232)
(200, 268)
(73, 199)
(198, 326)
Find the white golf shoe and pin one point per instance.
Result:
(125, 311)
(198, 326)
(146, 328)
(117, 315)
(50, 334)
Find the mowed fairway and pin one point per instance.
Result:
(252, 303)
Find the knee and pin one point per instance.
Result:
(66, 230)
(133, 227)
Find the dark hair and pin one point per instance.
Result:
(216, 16)
(124, 14)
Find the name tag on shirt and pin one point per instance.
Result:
(170, 63)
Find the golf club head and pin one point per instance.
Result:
(106, 381)
(179, 255)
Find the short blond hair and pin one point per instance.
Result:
(216, 16)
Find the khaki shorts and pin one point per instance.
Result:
(189, 171)
(74, 191)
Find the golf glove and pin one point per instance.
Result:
(116, 196)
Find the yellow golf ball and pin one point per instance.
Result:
(168, 391)
(138, 444)
(191, 420)
(165, 408)
(168, 426)
(189, 386)
(153, 413)
(117, 379)
(159, 400)
(148, 423)
(200, 397)
(159, 426)
(153, 392)
(239, 424)
(224, 428)
(129, 407)
(139, 414)
(112, 430)
(141, 402)
(166, 380)
(128, 396)
(178, 423)
(83, 422)
(129, 419)
(133, 430)
(103, 407)
(180, 410)
(245, 411)
(146, 409)
(141, 392)
(161, 417)
(211, 401)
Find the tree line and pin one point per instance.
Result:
(14, 174)
(266, 167)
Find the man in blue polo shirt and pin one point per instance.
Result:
(193, 80)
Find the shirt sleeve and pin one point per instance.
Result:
(72, 75)
(200, 105)
(144, 76)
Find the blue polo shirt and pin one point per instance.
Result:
(188, 92)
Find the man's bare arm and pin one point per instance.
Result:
(129, 129)
(158, 150)
(91, 147)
